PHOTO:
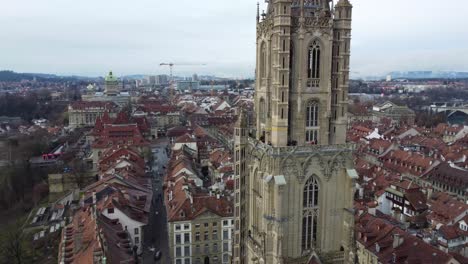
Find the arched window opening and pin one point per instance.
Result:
(312, 123)
(313, 71)
(310, 214)
(263, 57)
(282, 113)
(282, 96)
(262, 111)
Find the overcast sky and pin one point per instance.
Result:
(90, 37)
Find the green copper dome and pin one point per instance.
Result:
(111, 78)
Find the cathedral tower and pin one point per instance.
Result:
(294, 180)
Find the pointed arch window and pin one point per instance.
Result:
(263, 57)
(310, 214)
(313, 68)
(262, 111)
(312, 122)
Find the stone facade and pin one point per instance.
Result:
(205, 237)
(397, 114)
(59, 183)
(84, 114)
(294, 181)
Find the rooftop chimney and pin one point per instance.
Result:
(397, 240)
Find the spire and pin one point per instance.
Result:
(242, 119)
(302, 8)
(258, 12)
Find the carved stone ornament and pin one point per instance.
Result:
(321, 20)
(292, 168)
(313, 160)
(327, 169)
(264, 27)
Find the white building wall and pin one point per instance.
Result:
(227, 224)
(182, 230)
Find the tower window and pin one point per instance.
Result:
(313, 71)
(263, 61)
(310, 214)
(312, 123)
(262, 111)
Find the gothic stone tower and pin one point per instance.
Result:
(294, 180)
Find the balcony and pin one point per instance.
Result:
(313, 83)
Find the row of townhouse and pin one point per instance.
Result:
(199, 215)
(108, 225)
(417, 179)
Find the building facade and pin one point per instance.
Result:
(205, 238)
(396, 113)
(294, 180)
(84, 114)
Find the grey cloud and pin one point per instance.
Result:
(90, 37)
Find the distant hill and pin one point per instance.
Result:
(429, 75)
(11, 76)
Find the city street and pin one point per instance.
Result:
(156, 232)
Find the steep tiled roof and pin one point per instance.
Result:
(393, 245)
(117, 241)
(450, 175)
(80, 240)
(444, 209)
(121, 135)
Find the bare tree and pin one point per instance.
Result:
(79, 172)
(13, 248)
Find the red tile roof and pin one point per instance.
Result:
(392, 245)
(121, 135)
(445, 209)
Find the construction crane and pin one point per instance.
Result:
(171, 67)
